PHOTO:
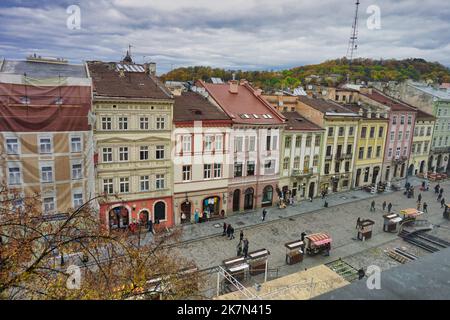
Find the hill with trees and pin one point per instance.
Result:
(330, 72)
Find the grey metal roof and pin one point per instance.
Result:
(425, 279)
(42, 69)
(440, 94)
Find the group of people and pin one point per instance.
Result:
(440, 192)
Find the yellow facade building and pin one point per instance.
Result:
(422, 139)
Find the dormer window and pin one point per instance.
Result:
(25, 100)
(256, 116)
(245, 116)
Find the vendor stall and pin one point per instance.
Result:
(365, 229)
(391, 222)
(410, 214)
(317, 243)
(294, 252)
(237, 267)
(258, 261)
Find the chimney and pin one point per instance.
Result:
(243, 81)
(234, 86)
(152, 68)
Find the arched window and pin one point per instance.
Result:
(286, 163)
(160, 211)
(316, 161)
(267, 196)
(306, 163)
(296, 162)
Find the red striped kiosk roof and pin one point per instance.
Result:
(319, 238)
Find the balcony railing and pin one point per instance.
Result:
(441, 150)
(302, 173)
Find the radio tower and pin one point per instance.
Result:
(352, 44)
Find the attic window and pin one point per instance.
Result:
(299, 120)
(256, 116)
(196, 112)
(245, 116)
(267, 116)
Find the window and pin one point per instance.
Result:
(45, 145)
(369, 152)
(123, 123)
(144, 182)
(252, 144)
(317, 140)
(405, 149)
(392, 136)
(390, 152)
(160, 211)
(159, 152)
(238, 141)
(363, 132)
(268, 140)
(208, 143)
(298, 141)
(106, 123)
(306, 162)
(12, 146)
(250, 168)
(219, 142)
(107, 154)
(413, 149)
(77, 199)
(160, 181)
(297, 163)
(330, 131)
(429, 131)
(286, 163)
(124, 185)
(349, 149)
(316, 160)
(416, 132)
(327, 168)
(361, 153)
(407, 135)
(49, 204)
(46, 174)
(308, 141)
(400, 135)
(287, 142)
(337, 167)
(207, 171)
(275, 143)
(160, 123)
(217, 170)
(14, 176)
(123, 154)
(394, 120)
(341, 131)
(75, 144)
(351, 131)
(397, 152)
(409, 119)
(422, 131)
(143, 123)
(238, 169)
(347, 166)
(425, 147)
(378, 154)
(380, 132)
(77, 172)
(187, 172)
(328, 152)
(108, 186)
(187, 143)
(372, 132)
(143, 153)
(269, 167)
(402, 120)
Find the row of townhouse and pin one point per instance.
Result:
(111, 132)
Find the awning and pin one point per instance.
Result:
(319, 238)
(411, 212)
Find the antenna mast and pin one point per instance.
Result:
(352, 44)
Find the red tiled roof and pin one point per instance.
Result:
(296, 122)
(108, 82)
(245, 102)
(191, 106)
(393, 104)
(324, 106)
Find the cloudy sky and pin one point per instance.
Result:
(246, 34)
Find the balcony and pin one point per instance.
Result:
(399, 159)
(298, 173)
(441, 150)
(348, 156)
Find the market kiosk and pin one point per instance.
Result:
(365, 229)
(410, 214)
(317, 243)
(237, 267)
(258, 261)
(391, 222)
(294, 252)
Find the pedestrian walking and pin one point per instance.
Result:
(389, 207)
(264, 213)
(246, 244)
(439, 197)
(441, 190)
(442, 202)
(418, 206)
(384, 205)
(228, 231)
(232, 233)
(372, 206)
(241, 235)
(425, 207)
(419, 197)
(358, 222)
(239, 248)
(224, 229)
(437, 188)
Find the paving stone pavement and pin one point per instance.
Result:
(205, 245)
